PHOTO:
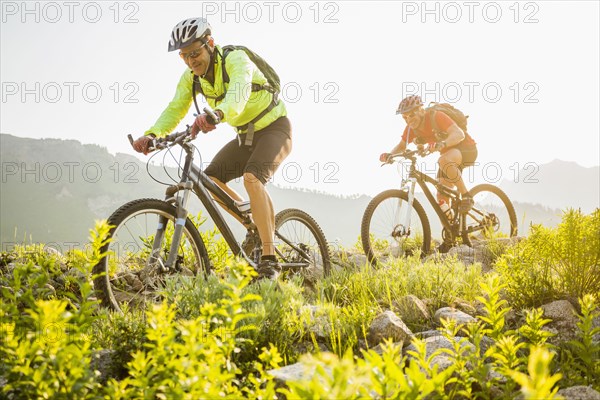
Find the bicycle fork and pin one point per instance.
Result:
(405, 223)
(180, 218)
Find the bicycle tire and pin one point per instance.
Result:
(112, 286)
(499, 212)
(379, 230)
(317, 247)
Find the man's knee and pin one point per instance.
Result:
(251, 181)
(450, 172)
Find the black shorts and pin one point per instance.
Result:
(271, 145)
(469, 155)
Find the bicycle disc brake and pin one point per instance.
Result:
(400, 231)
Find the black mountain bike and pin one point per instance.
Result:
(152, 238)
(395, 224)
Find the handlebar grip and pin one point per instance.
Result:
(130, 139)
(210, 113)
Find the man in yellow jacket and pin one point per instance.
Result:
(245, 102)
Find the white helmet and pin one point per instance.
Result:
(188, 31)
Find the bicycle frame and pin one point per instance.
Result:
(417, 177)
(194, 179)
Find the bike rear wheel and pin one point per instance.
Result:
(383, 233)
(492, 216)
(127, 274)
(300, 241)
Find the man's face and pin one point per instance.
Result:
(414, 117)
(196, 57)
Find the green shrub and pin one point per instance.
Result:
(45, 346)
(439, 282)
(193, 358)
(124, 333)
(554, 263)
(581, 357)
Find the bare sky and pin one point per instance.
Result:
(526, 72)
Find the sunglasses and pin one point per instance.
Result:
(193, 54)
(410, 114)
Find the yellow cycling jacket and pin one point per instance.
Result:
(240, 104)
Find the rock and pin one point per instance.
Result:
(309, 347)
(102, 362)
(560, 310)
(51, 251)
(564, 321)
(428, 334)
(411, 309)
(579, 393)
(359, 260)
(292, 373)
(77, 274)
(434, 343)
(388, 325)
(186, 272)
(442, 361)
(318, 322)
(349, 260)
(451, 313)
(465, 307)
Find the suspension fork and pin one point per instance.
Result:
(180, 218)
(410, 182)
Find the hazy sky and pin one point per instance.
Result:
(526, 72)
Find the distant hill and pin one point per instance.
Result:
(52, 190)
(558, 184)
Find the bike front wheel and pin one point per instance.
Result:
(492, 216)
(129, 274)
(301, 245)
(385, 232)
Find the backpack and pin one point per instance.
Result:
(454, 113)
(273, 86)
(273, 83)
(260, 62)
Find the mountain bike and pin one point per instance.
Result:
(151, 239)
(395, 224)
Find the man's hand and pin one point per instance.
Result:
(384, 157)
(202, 123)
(439, 145)
(142, 144)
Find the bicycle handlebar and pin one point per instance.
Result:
(408, 154)
(178, 137)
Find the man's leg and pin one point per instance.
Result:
(450, 173)
(272, 145)
(263, 212)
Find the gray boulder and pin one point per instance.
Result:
(564, 321)
(579, 393)
(411, 309)
(451, 313)
(388, 325)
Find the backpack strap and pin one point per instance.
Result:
(434, 125)
(196, 83)
(249, 127)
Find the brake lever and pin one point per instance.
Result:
(150, 148)
(215, 118)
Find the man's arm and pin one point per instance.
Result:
(455, 135)
(400, 147)
(177, 108)
(446, 124)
